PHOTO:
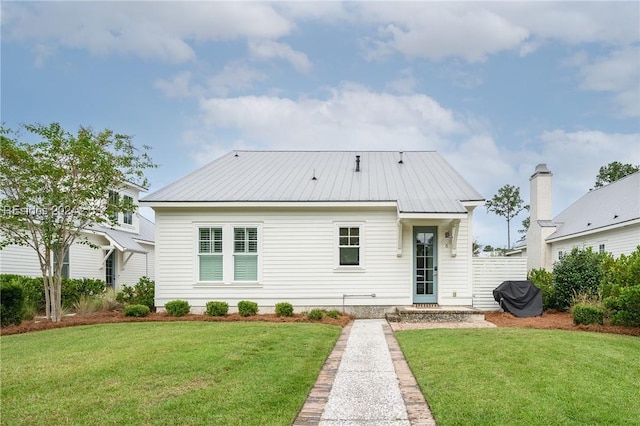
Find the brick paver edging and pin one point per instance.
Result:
(312, 409)
(418, 409)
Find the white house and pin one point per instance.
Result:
(126, 251)
(367, 231)
(606, 219)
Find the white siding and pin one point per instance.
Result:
(489, 273)
(20, 260)
(84, 262)
(617, 241)
(298, 263)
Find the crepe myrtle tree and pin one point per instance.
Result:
(52, 189)
(508, 204)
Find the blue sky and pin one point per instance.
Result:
(496, 88)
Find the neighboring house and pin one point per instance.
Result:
(126, 251)
(606, 219)
(365, 230)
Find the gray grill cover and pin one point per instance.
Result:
(521, 298)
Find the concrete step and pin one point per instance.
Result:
(439, 314)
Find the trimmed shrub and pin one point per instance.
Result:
(621, 272)
(316, 314)
(70, 292)
(578, 272)
(247, 308)
(11, 303)
(177, 308)
(217, 309)
(543, 279)
(137, 311)
(284, 309)
(334, 313)
(588, 314)
(73, 289)
(625, 309)
(143, 293)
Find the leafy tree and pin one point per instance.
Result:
(508, 204)
(53, 189)
(476, 247)
(525, 228)
(614, 171)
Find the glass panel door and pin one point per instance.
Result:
(425, 265)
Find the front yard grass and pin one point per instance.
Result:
(517, 376)
(162, 373)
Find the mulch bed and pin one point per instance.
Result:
(555, 320)
(548, 320)
(104, 317)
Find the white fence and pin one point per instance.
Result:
(489, 273)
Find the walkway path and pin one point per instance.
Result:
(366, 381)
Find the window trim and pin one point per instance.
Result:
(362, 246)
(228, 278)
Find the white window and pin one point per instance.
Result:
(210, 258)
(350, 245)
(113, 200)
(65, 264)
(228, 253)
(560, 254)
(601, 248)
(245, 254)
(128, 216)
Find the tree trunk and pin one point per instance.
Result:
(508, 234)
(47, 297)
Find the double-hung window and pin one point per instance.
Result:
(210, 256)
(350, 245)
(245, 254)
(65, 264)
(127, 217)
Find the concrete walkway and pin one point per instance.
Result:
(366, 381)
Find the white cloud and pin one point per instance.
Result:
(618, 73)
(469, 31)
(351, 117)
(180, 86)
(406, 83)
(474, 30)
(158, 30)
(268, 49)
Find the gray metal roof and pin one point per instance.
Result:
(423, 183)
(613, 204)
(128, 241)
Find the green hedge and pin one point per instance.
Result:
(284, 309)
(588, 314)
(177, 308)
(217, 309)
(136, 311)
(11, 303)
(625, 308)
(143, 293)
(71, 291)
(247, 308)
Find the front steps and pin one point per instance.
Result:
(417, 314)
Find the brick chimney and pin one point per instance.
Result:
(540, 222)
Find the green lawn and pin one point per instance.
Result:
(162, 373)
(511, 376)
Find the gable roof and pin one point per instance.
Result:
(423, 183)
(613, 204)
(128, 241)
